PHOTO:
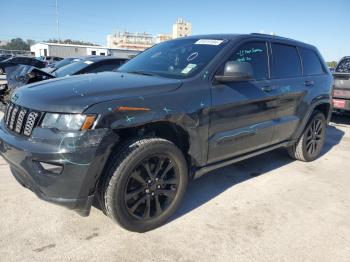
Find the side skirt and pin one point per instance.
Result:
(203, 170)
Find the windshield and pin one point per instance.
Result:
(175, 59)
(72, 68)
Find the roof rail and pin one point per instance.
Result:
(264, 34)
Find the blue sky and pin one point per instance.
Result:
(322, 23)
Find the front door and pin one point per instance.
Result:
(243, 113)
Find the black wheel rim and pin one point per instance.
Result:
(151, 187)
(314, 137)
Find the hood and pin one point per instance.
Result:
(74, 94)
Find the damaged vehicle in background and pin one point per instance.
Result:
(341, 88)
(133, 139)
(21, 60)
(2, 58)
(21, 75)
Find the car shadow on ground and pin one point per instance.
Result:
(216, 182)
(341, 119)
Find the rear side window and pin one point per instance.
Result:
(254, 53)
(343, 66)
(285, 61)
(311, 62)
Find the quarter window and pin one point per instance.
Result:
(311, 62)
(254, 53)
(285, 61)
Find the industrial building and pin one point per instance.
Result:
(66, 50)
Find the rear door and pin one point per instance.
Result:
(243, 113)
(288, 82)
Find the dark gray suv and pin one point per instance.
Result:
(134, 138)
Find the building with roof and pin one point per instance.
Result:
(142, 41)
(67, 50)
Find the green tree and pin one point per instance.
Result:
(331, 64)
(71, 42)
(17, 44)
(30, 42)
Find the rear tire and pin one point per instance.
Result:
(310, 144)
(144, 184)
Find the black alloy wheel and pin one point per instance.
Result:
(151, 187)
(144, 183)
(314, 137)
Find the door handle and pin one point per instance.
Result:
(309, 83)
(267, 88)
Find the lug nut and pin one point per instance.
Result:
(158, 186)
(157, 178)
(152, 193)
(147, 191)
(149, 181)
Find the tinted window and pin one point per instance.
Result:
(72, 68)
(102, 67)
(254, 53)
(285, 61)
(343, 66)
(64, 62)
(311, 62)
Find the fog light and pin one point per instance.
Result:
(51, 168)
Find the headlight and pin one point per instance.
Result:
(66, 122)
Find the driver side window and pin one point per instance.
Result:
(254, 53)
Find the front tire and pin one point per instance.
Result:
(310, 144)
(144, 184)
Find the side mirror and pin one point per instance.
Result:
(236, 71)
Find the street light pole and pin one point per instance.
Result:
(57, 23)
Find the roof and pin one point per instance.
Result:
(252, 35)
(72, 45)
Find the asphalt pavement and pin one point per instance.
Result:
(268, 208)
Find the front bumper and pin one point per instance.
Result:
(81, 156)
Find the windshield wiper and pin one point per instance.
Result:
(142, 73)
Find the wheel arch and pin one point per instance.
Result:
(324, 106)
(163, 129)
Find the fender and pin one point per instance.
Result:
(191, 115)
(323, 100)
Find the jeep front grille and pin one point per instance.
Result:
(20, 119)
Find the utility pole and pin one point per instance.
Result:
(57, 23)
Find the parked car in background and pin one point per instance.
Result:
(62, 63)
(134, 138)
(23, 74)
(23, 60)
(50, 60)
(4, 57)
(93, 64)
(341, 89)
